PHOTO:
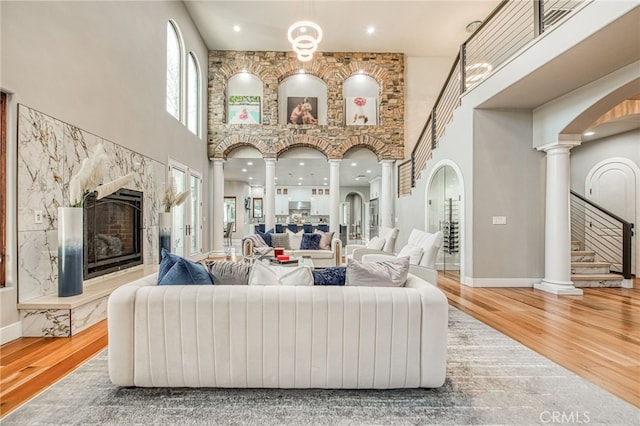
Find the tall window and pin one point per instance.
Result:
(193, 94)
(174, 54)
(3, 183)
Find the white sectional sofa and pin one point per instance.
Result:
(277, 336)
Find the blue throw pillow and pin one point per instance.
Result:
(310, 242)
(335, 275)
(166, 262)
(179, 271)
(266, 236)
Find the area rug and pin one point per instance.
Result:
(491, 379)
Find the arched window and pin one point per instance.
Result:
(174, 59)
(193, 94)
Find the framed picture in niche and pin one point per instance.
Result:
(360, 111)
(302, 110)
(243, 110)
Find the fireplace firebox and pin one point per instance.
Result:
(112, 232)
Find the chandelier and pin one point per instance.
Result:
(304, 37)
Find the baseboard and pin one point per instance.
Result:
(499, 282)
(10, 332)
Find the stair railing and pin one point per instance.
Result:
(602, 232)
(508, 28)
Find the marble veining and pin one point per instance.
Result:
(49, 153)
(46, 322)
(89, 314)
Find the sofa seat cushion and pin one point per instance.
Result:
(315, 254)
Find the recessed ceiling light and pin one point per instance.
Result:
(236, 28)
(299, 178)
(371, 29)
(249, 163)
(361, 72)
(326, 178)
(244, 170)
(354, 164)
(325, 183)
(301, 71)
(275, 178)
(302, 164)
(368, 171)
(250, 177)
(299, 183)
(589, 133)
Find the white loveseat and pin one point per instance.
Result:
(277, 336)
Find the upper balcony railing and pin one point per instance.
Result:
(511, 26)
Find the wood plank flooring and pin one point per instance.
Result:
(597, 336)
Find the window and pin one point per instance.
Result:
(174, 54)
(3, 183)
(193, 95)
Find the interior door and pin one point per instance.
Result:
(613, 184)
(3, 183)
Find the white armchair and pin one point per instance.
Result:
(422, 249)
(385, 242)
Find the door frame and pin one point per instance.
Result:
(3, 188)
(188, 226)
(636, 171)
(463, 241)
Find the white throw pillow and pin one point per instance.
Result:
(388, 273)
(376, 243)
(262, 274)
(414, 254)
(295, 239)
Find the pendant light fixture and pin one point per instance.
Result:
(304, 36)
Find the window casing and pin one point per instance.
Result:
(193, 94)
(174, 74)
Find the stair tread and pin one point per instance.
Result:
(594, 264)
(596, 277)
(582, 253)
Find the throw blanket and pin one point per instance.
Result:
(260, 248)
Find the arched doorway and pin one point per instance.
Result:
(444, 213)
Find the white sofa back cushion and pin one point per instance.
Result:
(413, 253)
(430, 244)
(390, 235)
(262, 274)
(376, 243)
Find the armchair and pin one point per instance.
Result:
(422, 248)
(389, 235)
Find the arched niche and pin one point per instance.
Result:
(244, 99)
(304, 90)
(361, 95)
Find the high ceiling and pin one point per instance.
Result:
(424, 28)
(416, 28)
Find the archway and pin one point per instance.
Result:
(444, 211)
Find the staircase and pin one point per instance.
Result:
(586, 272)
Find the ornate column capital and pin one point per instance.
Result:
(564, 142)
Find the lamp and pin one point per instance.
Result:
(304, 37)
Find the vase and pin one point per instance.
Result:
(70, 251)
(165, 223)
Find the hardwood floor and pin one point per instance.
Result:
(597, 336)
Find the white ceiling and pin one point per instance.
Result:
(416, 28)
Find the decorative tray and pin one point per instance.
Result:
(284, 262)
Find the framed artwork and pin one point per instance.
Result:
(302, 110)
(361, 111)
(243, 110)
(257, 208)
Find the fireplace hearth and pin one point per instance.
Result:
(112, 233)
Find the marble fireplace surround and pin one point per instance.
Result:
(50, 151)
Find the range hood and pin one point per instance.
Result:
(299, 205)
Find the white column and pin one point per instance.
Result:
(334, 196)
(557, 232)
(217, 221)
(386, 194)
(270, 193)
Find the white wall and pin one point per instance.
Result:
(99, 66)
(584, 157)
(425, 78)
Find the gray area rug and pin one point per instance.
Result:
(491, 379)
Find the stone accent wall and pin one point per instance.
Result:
(386, 139)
